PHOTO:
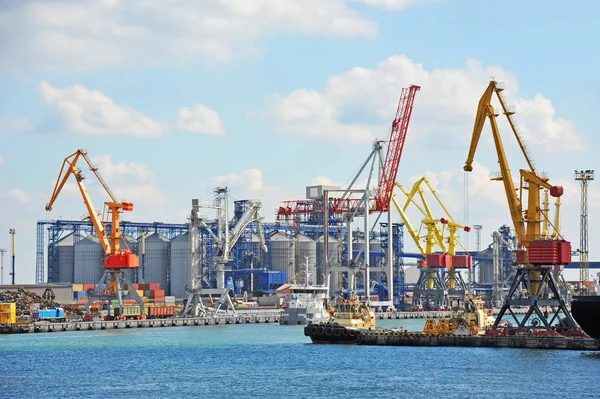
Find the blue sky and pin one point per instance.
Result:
(173, 98)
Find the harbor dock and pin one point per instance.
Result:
(406, 338)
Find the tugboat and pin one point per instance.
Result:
(346, 320)
(586, 312)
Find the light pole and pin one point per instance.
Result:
(2, 251)
(12, 273)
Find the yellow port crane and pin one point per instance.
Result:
(117, 259)
(431, 289)
(537, 257)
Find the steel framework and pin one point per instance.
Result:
(584, 177)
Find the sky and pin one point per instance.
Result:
(173, 98)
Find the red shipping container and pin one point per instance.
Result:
(153, 286)
(462, 261)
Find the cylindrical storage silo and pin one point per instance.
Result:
(88, 265)
(376, 258)
(156, 259)
(334, 256)
(180, 266)
(281, 249)
(486, 272)
(65, 259)
(306, 251)
(257, 252)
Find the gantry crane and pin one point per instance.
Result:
(431, 288)
(117, 260)
(537, 257)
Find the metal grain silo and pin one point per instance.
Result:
(334, 256)
(88, 265)
(156, 259)
(306, 249)
(258, 256)
(486, 272)
(376, 257)
(180, 257)
(282, 252)
(65, 259)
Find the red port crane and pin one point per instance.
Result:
(395, 147)
(299, 211)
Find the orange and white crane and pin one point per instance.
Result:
(117, 259)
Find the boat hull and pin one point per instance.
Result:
(586, 312)
(323, 333)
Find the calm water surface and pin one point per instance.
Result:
(272, 361)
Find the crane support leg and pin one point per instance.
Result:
(546, 307)
(110, 287)
(457, 287)
(430, 290)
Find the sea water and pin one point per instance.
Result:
(273, 361)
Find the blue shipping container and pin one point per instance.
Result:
(79, 294)
(54, 313)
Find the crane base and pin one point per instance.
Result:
(101, 292)
(195, 305)
(430, 291)
(547, 307)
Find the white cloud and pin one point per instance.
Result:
(394, 4)
(108, 33)
(200, 119)
(90, 112)
(250, 184)
(18, 195)
(14, 124)
(444, 107)
(121, 172)
(309, 113)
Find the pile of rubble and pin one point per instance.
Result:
(24, 299)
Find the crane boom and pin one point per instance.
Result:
(116, 258)
(69, 167)
(395, 147)
(527, 225)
